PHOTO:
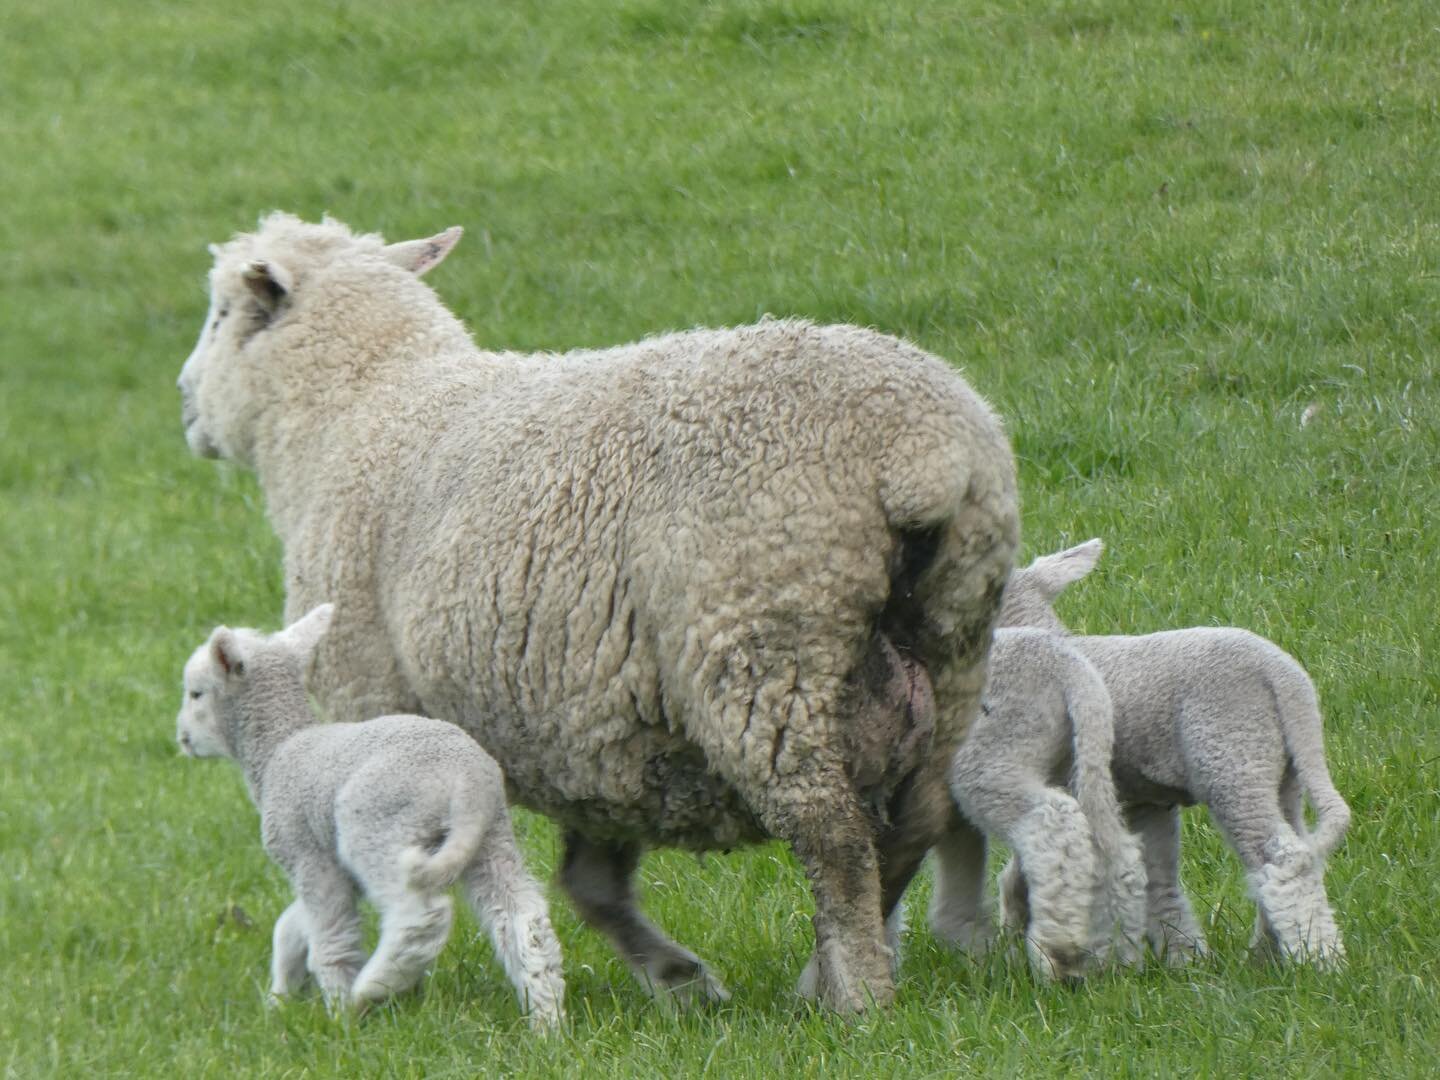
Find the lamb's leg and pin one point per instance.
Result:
(1171, 926)
(413, 929)
(1285, 876)
(511, 907)
(598, 878)
(1055, 852)
(959, 913)
(337, 952)
(1014, 898)
(290, 953)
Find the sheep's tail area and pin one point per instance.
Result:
(1303, 731)
(430, 871)
(1092, 724)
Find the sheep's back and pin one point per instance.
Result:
(550, 538)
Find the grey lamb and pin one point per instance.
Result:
(1223, 717)
(663, 584)
(399, 807)
(1034, 772)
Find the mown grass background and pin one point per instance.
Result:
(1188, 250)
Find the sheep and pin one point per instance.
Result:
(1223, 717)
(1077, 886)
(401, 807)
(657, 582)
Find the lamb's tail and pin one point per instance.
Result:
(1303, 731)
(440, 867)
(1120, 920)
(1092, 721)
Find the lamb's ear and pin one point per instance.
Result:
(269, 282)
(1051, 573)
(419, 256)
(305, 632)
(225, 651)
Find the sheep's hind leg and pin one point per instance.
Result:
(832, 838)
(290, 953)
(337, 951)
(413, 930)
(1171, 927)
(1285, 876)
(511, 906)
(598, 877)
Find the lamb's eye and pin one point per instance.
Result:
(194, 694)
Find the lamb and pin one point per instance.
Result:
(1076, 884)
(660, 583)
(1223, 717)
(401, 807)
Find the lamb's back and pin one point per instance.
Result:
(398, 764)
(1187, 698)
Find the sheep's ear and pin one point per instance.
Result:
(1051, 573)
(225, 651)
(419, 256)
(305, 632)
(269, 283)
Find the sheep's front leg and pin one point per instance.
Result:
(598, 876)
(959, 913)
(290, 953)
(1171, 927)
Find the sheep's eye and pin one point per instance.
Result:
(194, 694)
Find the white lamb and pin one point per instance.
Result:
(663, 584)
(1034, 772)
(400, 808)
(1223, 717)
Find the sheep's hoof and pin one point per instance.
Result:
(697, 988)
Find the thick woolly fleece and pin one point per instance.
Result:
(400, 807)
(647, 578)
(1034, 772)
(1223, 717)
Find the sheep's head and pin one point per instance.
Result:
(1030, 595)
(257, 282)
(224, 668)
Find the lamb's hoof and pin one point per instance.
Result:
(974, 936)
(1178, 953)
(546, 1021)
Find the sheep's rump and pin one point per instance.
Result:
(609, 566)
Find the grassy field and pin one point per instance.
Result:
(1189, 251)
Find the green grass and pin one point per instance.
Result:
(1154, 236)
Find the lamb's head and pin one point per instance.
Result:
(258, 284)
(1030, 594)
(234, 666)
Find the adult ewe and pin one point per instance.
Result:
(658, 583)
(1219, 716)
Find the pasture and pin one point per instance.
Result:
(1188, 251)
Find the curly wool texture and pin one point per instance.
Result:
(1223, 717)
(645, 578)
